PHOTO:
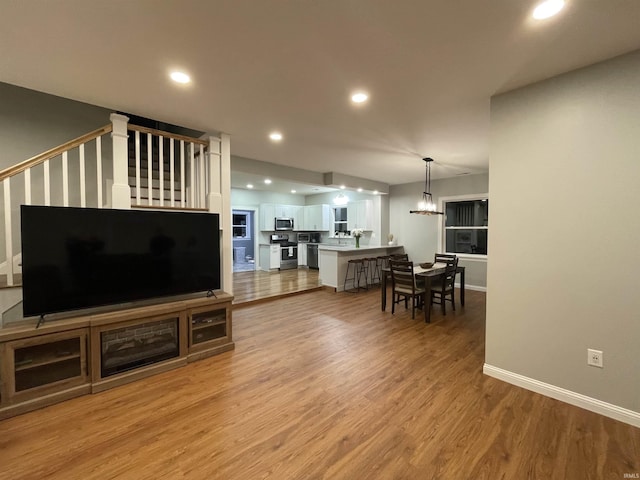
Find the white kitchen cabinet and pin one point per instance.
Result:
(269, 257)
(297, 213)
(359, 215)
(267, 216)
(270, 211)
(302, 255)
(317, 218)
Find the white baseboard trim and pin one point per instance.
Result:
(567, 396)
(477, 288)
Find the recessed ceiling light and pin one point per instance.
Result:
(249, 185)
(180, 77)
(267, 181)
(359, 97)
(359, 190)
(547, 9)
(342, 187)
(275, 136)
(293, 191)
(375, 192)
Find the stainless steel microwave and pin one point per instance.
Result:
(284, 224)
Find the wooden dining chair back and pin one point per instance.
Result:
(443, 257)
(444, 286)
(403, 285)
(399, 256)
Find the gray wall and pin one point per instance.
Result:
(420, 234)
(565, 165)
(32, 122)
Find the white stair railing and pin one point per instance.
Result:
(38, 187)
(167, 169)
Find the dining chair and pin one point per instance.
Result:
(443, 257)
(444, 286)
(399, 256)
(404, 287)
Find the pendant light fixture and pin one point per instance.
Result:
(427, 206)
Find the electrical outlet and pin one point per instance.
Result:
(595, 358)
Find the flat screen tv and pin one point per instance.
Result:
(77, 258)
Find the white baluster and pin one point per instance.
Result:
(137, 168)
(27, 186)
(149, 169)
(172, 173)
(65, 179)
(47, 184)
(192, 185)
(183, 196)
(83, 185)
(99, 170)
(161, 171)
(201, 180)
(7, 229)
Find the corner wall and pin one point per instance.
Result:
(565, 166)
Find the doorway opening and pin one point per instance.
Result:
(243, 241)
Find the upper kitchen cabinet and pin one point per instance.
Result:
(267, 216)
(317, 218)
(270, 211)
(360, 215)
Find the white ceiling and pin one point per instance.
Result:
(430, 67)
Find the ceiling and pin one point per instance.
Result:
(429, 66)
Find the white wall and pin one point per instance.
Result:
(562, 277)
(420, 233)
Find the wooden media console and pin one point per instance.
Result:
(66, 358)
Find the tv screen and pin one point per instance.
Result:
(74, 258)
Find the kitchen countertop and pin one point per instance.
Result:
(352, 248)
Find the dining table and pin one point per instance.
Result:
(436, 270)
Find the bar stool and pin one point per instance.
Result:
(359, 269)
(373, 270)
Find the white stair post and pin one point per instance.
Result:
(225, 213)
(214, 196)
(120, 190)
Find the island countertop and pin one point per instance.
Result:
(333, 259)
(352, 248)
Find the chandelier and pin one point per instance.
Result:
(426, 205)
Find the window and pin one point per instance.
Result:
(240, 226)
(340, 216)
(466, 226)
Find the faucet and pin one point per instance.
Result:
(338, 235)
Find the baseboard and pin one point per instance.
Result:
(567, 396)
(477, 288)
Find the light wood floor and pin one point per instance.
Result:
(324, 385)
(259, 285)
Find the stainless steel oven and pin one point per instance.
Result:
(288, 257)
(288, 251)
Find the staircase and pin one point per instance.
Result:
(137, 167)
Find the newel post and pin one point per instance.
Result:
(120, 190)
(219, 201)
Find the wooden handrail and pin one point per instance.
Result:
(49, 154)
(175, 136)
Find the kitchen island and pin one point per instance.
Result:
(332, 260)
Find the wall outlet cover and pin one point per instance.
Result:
(595, 358)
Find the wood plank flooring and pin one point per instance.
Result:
(324, 385)
(252, 287)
